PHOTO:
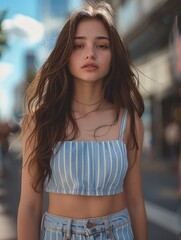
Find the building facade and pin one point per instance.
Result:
(153, 44)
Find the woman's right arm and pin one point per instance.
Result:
(31, 202)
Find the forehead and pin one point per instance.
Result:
(89, 27)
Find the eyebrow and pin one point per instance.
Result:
(99, 37)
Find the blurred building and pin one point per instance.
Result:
(53, 14)
(147, 28)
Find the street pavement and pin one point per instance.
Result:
(9, 198)
(160, 185)
(160, 190)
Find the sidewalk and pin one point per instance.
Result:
(161, 178)
(160, 186)
(9, 199)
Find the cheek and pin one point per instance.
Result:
(108, 65)
(71, 63)
(109, 58)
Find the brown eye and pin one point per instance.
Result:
(78, 46)
(102, 46)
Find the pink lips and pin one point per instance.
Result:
(90, 66)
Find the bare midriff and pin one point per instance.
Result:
(76, 206)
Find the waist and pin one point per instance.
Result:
(75, 206)
(86, 226)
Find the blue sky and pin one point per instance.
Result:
(15, 52)
(13, 55)
(25, 7)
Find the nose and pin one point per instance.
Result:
(90, 53)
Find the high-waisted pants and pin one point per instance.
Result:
(114, 226)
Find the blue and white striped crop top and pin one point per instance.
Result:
(92, 168)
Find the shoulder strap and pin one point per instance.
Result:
(123, 124)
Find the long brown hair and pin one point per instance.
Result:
(50, 94)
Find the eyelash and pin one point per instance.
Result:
(78, 46)
(81, 46)
(103, 46)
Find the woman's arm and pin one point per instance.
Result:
(30, 206)
(133, 188)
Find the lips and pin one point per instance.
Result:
(90, 66)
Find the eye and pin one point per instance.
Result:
(102, 46)
(78, 46)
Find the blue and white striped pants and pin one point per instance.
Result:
(115, 226)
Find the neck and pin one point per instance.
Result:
(88, 104)
(87, 96)
(85, 108)
(87, 93)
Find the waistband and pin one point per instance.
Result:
(86, 226)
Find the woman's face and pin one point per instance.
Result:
(91, 56)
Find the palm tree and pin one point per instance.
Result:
(3, 41)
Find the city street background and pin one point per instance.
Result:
(151, 31)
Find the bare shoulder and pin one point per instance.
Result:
(139, 129)
(27, 121)
(139, 125)
(27, 128)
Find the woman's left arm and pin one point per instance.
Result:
(133, 186)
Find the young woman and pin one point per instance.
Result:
(82, 138)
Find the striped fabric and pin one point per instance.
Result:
(94, 168)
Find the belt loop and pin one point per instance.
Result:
(107, 227)
(68, 232)
(85, 227)
(42, 220)
(42, 225)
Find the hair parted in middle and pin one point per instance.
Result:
(49, 96)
